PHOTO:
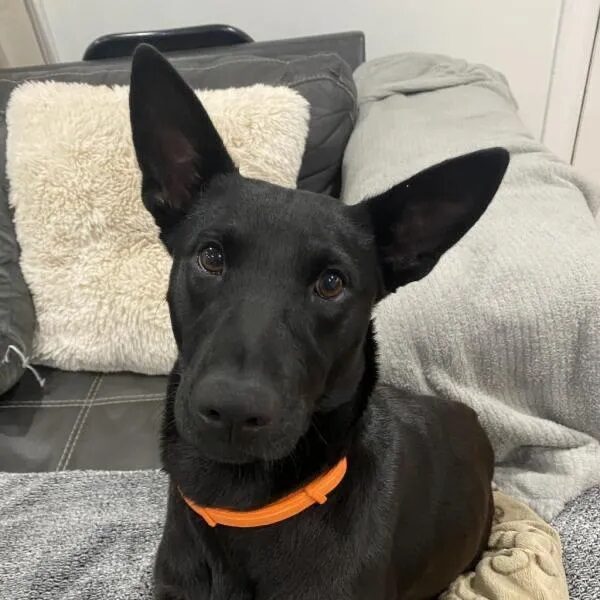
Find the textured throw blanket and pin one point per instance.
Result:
(92, 535)
(509, 321)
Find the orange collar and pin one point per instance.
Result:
(289, 506)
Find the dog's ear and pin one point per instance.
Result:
(416, 221)
(178, 148)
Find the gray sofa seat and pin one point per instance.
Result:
(106, 526)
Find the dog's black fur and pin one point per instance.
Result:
(271, 294)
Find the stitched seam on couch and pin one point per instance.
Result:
(290, 84)
(160, 394)
(306, 79)
(90, 73)
(83, 420)
(239, 60)
(75, 430)
(83, 403)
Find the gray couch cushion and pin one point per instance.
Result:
(322, 77)
(81, 421)
(17, 317)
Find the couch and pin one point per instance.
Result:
(81, 420)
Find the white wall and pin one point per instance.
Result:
(587, 149)
(18, 43)
(515, 36)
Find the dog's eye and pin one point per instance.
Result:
(330, 284)
(211, 259)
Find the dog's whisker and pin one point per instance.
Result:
(295, 462)
(318, 432)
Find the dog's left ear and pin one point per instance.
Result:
(416, 221)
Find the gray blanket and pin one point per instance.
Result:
(579, 529)
(509, 321)
(91, 535)
(79, 535)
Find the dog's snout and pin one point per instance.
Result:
(229, 404)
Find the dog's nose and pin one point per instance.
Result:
(240, 405)
(236, 415)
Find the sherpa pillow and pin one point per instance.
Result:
(89, 250)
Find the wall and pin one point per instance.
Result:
(18, 43)
(515, 36)
(586, 156)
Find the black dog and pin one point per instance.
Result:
(271, 294)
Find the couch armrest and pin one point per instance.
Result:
(17, 316)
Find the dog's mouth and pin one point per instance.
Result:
(235, 455)
(229, 455)
(244, 454)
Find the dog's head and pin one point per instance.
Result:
(272, 289)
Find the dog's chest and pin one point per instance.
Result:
(335, 551)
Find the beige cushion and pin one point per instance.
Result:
(523, 561)
(89, 250)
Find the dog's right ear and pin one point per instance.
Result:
(416, 221)
(178, 148)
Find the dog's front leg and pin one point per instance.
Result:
(220, 588)
(195, 575)
(201, 592)
(184, 589)
(227, 588)
(169, 592)
(181, 572)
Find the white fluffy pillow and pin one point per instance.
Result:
(89, 250)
